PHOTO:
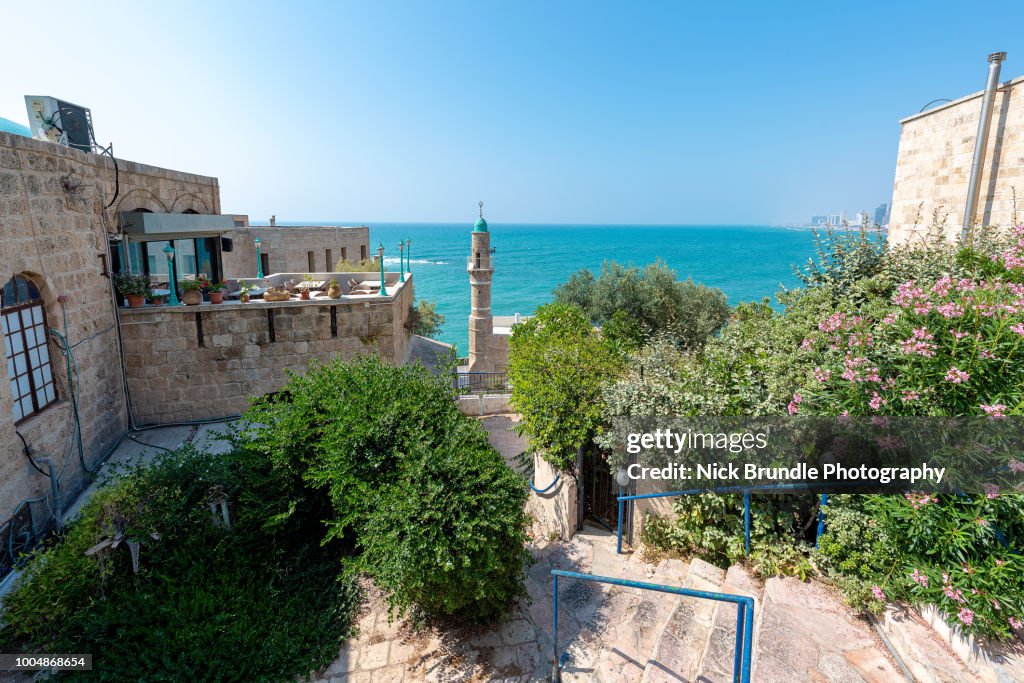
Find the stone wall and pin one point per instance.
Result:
(288, 249)
(176, 373)
(933, 166)
(54, 226)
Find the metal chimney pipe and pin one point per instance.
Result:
(995, 61)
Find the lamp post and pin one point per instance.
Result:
(401, 262)
(172, 282)
(380, 259)
(259, 263)
(408, 253)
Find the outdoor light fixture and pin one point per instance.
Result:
(380, 257)
(408, 253)
(172, 284)
(259, 263)
(622, 478)
(401, 262)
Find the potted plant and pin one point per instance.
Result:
(213, 290)
(157, 299)
(193, 292)
(304, 288)
(134, 286)
(333, 289)
(244, 290)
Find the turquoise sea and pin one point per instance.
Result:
(746, 262)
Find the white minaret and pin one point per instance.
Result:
(481, 323)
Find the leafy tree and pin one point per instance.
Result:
(557, 365)
(424, 319)
(652, 298)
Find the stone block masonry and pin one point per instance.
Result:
(54, 228)
(933, 166)
(244, 350)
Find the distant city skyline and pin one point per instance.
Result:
(659, 113)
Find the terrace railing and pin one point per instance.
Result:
(481, 383)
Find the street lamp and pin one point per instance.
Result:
(172, 282)
(408, 254)
(259, 263)
(401, 262)
(380, 257)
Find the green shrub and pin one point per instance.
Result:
(448, 538)
(557, 364)
(435, 511)
(209, 603)
(710, 526)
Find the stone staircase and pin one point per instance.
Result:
(802, 631)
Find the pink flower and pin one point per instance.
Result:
(876, 401)
(980, 521)
(991, 490)
(917, 501)
(878, 592)
(794, 405)
(950, 310)
(909, 396)
(1018, 328)
(957, 376)
(920, 577)
(995, 410)
(1000, 563)
(1016, 624)
(958, 335)
(889, 319)
(986, 354)
(1016, 466)
(822, 375)
(966, 616)
(954, 594)
(807, 344)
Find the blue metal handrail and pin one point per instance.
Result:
(745, 490)
(550, 486)
(744, 618)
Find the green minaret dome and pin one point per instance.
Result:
(481, 224)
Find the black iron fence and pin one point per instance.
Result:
(481, 383)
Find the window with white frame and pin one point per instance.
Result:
(23, 320)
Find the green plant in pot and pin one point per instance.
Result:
(134, 286)
(193, 292)
(333, 289)
(307, 282)
(213, 289)
(244, 292)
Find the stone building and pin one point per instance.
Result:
(294, 249)
(83, 370)
(935, 158)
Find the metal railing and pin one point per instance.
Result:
(481, 383)
(744, 619)
(745, 490)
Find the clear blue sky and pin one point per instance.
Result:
(551, 112)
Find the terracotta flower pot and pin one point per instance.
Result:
(157, 301)
(136, 301)
(304, 294)
(192, 297)
(216, 297)
(244, 298)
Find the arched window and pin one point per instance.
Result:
(28, 354)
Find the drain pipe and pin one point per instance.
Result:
(995, 61)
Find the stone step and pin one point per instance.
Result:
(613, 644)
(679, 650)
(804, 632)
(719, 659)
(929, 659)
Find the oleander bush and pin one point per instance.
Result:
(933, 329)
(209, 602)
